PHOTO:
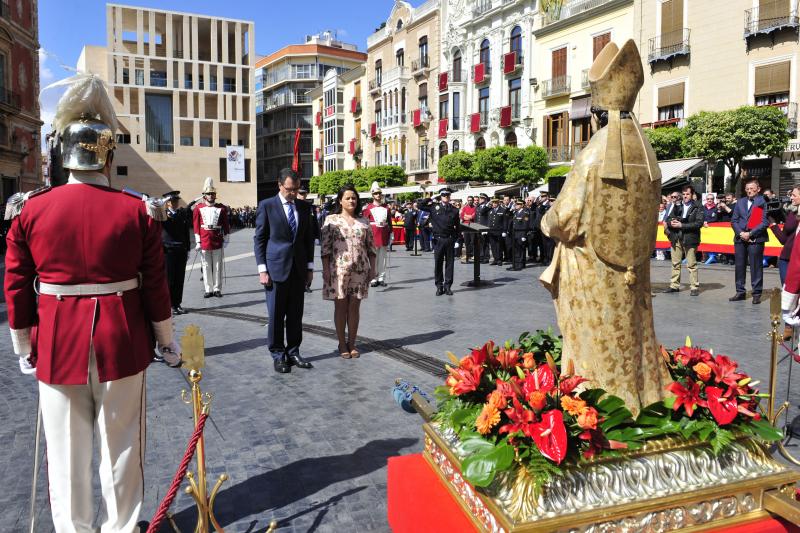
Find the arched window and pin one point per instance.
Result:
(516, 41)
(399, 24)
(423, 52)
(480, 143)
(485, 53)
(455, 146)
(442, 149)
(511, 139)
(399, 58)
(457, 66)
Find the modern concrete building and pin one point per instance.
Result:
(182, 87)
(487, 69)
(719, 54)
(402, 102)
(20, 125)
(283, 80)
(339, 133)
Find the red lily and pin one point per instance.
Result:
(506, 388)
(725, 371)
(542, 380)
(521, 419)
(550, 435)
(688, 396)
(508, 358)
(569, 384)
(479, 356)
(687, 355)
(463, 380)
(722, 406)
(598, 441)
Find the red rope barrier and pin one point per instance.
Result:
(158, 518)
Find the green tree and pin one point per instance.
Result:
(668, 143)
(730, 136)
(509, 164)
(532, 167)
(456, 167)
(557, 172)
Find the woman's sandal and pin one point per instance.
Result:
(354, 353)
(344, 353)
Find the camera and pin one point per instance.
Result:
(776, 209)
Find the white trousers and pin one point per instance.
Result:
(381, 262)
(72, 415)
(211, 260)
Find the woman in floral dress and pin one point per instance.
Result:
(348, 265)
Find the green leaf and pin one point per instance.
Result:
(625, 435)
(479, 469)
(504, 455)
(473, 445)
(610, 404)
(721, 439)
(764, 430)
(669, 402)
(592, 396)
(616, 418)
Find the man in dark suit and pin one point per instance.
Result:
(750, 224)
(410, 225)
(682, 227)
(175, 234)
(284, 250)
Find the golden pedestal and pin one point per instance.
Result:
(667, 485)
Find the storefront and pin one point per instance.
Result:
(789, 174)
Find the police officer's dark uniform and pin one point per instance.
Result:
(483, 219)
(521, 226)
(547, 244)
(508, 240)
(176, 234)
(497, 229)
(445, 223)
(410, 226)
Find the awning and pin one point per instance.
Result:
(489, 190)
(673, 171)
(581, 108)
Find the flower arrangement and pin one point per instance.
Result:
(514, 406)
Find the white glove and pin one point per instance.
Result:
(790, 305)
(524, 239)
(225, 243)
(456, 245)
(171, 353)
(26, 367)
(197, 246)
(505, 234)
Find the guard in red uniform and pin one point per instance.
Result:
(378, 215)
(94, 256)
(211, 232)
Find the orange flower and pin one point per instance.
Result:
(497, 400)
(703, 371)
(588, 418)
(572, 405)
(508, 358)
(537, 400)
(488, 418)
(528, 361)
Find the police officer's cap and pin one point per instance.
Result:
(484, 196)
(445, 192)
(172, 195)
(519, 202)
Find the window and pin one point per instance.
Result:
(456, 112)
(556, 133)
(399, 58)
(483, 104)
(206, 142)
(457, 66)
(158, 121)
(158, 78)
(558, 64)
(378, 72)
(122, 170)
(455, 146)
(442, 149)
(399, 24)
(229, 84)
(514, 97)
(516, 42)
(126, 76)
(423, 98)
(378, 113)
(772, 83)
(480, 144)
(123, 138)
(599, 42)
(670, 102)
(423, 51)
(485, 53)
(511, 139)
(443, 106)
(139, 76)
(671, 23)
(187, 81)
(187, 140)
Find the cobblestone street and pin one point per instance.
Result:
(309, 448)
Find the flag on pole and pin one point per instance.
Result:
(296, 165)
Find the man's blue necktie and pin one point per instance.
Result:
(292, 220)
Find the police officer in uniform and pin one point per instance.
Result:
(521, 226)
(547, 244)
(176, 234)
(484, 206)
(410, 225)
(497, 231)
(445, 223)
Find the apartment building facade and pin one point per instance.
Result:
(487, 68)
(339, 132)
(402, 100)
(283, 82)
(182, 87)
(20, 123)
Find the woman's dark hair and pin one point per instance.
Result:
(337, 208)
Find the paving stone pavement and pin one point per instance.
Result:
(309, 449)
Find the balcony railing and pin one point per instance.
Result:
(556, 87)
(569, 9)
(559, 153)
(417, 165)
(768, 18)
(419, 65)
(377, 37)
(375, 85)
(669, 45)
(481, 7)
(577, 148)
(790, 110)
(458, 76)
(285, 99)
(666, 123)
(585, 79)
(397, 73)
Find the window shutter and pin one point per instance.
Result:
(599, 42)
(670, 95)
(771, 79)
(559, 66)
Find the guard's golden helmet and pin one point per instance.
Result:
(616, 77)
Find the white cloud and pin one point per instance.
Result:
(45, 73)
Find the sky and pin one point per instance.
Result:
(65, 26)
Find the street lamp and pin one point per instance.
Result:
(527, 124)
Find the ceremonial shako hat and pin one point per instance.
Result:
(375, 188)
(445, 192)
(208, 187)
(85, 122)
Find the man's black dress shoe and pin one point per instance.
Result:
(439, 291)
(448, 292)
(180, 310)
(208, 295)
(671, 289)
(756, 299)
(737, 298)
(299, 362)
(282, 365)
(218, 294)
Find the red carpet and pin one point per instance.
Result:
(418, 502)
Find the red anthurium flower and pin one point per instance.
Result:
(521, 419)
(462, 380)
(688, 396)
(725, 371)
(542, 380)
(722, 406)
(508, 358)
(568, 385)
(687, 355)
(550, 436)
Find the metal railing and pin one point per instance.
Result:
(569, 9)
(789, 109)
(285, 99)
(669, 45)
(577, 148)
(375, 84)
(768, 18)
(556, 86)
(559, 153)
(416, 165)
(419, 64)
(516, 111)
(481, 7)
(585, 79)
(457, 76)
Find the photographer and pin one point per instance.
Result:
(778, 212)
(682, 227)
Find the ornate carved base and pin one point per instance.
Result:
(667, 485)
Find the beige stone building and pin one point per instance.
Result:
(402, 99)
(721, 54)
(339, 132)
(182, 86)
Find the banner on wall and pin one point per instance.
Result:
(235, 160)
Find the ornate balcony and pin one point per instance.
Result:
(556, 87)
(669, 45)
(420, 67)
(563, 10)
(585, 85)
(559, 154)
(769, 17)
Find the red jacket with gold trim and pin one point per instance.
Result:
(211, 223)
